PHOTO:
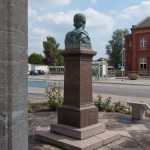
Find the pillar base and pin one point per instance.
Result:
(78, 133)
(78, 117)
(74, 144)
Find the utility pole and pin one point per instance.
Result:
(122, 67)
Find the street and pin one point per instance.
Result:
(122, 90)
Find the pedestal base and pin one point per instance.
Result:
(74, 144)
(78, 117)
(78, 133)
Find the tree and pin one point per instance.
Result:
(52, 52)
(36, 59)
(114, 47)
(59, 59)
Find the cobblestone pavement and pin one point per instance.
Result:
(135, 135)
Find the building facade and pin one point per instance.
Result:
(137, 48)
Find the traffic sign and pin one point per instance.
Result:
(119, 65)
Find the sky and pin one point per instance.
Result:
(55, 18)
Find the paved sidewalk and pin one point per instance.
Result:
(113, 80)
(135, 135)
(110, 80)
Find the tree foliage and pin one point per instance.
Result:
(114, 47)
(52, 52)
(36, 59)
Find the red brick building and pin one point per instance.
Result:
(137, 48)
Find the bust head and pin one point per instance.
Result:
(78, 38)
(79, 20)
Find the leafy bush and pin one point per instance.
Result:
(99, 103)
(119, 107)
(36, 59)
(133, 76)
(53, 93)
(29, 107)
(108, 106)
(103, 105)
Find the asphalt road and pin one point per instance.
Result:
(122, 90)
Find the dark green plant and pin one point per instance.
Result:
(99, 103)
(107, 105)
(53, 93)
(36, 59)
(103, 105)
(52, 52)
(114, 47)
(29, 107)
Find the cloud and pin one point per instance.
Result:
(93, 1)
(31, 12)
(36, 37)
(98, 26)
(99, 20)
(135, 11)
(94, 18)
(61, 18)
(49, 3)
(40, 32)
(59, 2)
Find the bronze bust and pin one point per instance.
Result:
(78, 38)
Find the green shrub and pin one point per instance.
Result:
(53, 93)
(118, 106)
(108, 106)
(103, 105)
(29, 107)
(99, 103)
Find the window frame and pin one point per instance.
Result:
(143, 63)
(143, 42)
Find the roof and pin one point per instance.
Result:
(144, 23)
(101, 59)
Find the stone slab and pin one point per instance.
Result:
(137, 127)
(74, 144)
(78, 133)
(124, 133)
(108, 137)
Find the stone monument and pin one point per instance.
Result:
(13, 75)
(78, 127)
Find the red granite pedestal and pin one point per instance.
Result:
(78, 116)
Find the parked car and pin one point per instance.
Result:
(41, 72)
(34, 72)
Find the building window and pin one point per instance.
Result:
(143, 63)
(130, 44)
(143, 42)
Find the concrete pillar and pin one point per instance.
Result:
(13, 75)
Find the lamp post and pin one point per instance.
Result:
(122, 67)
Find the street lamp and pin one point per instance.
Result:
(122, 67)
